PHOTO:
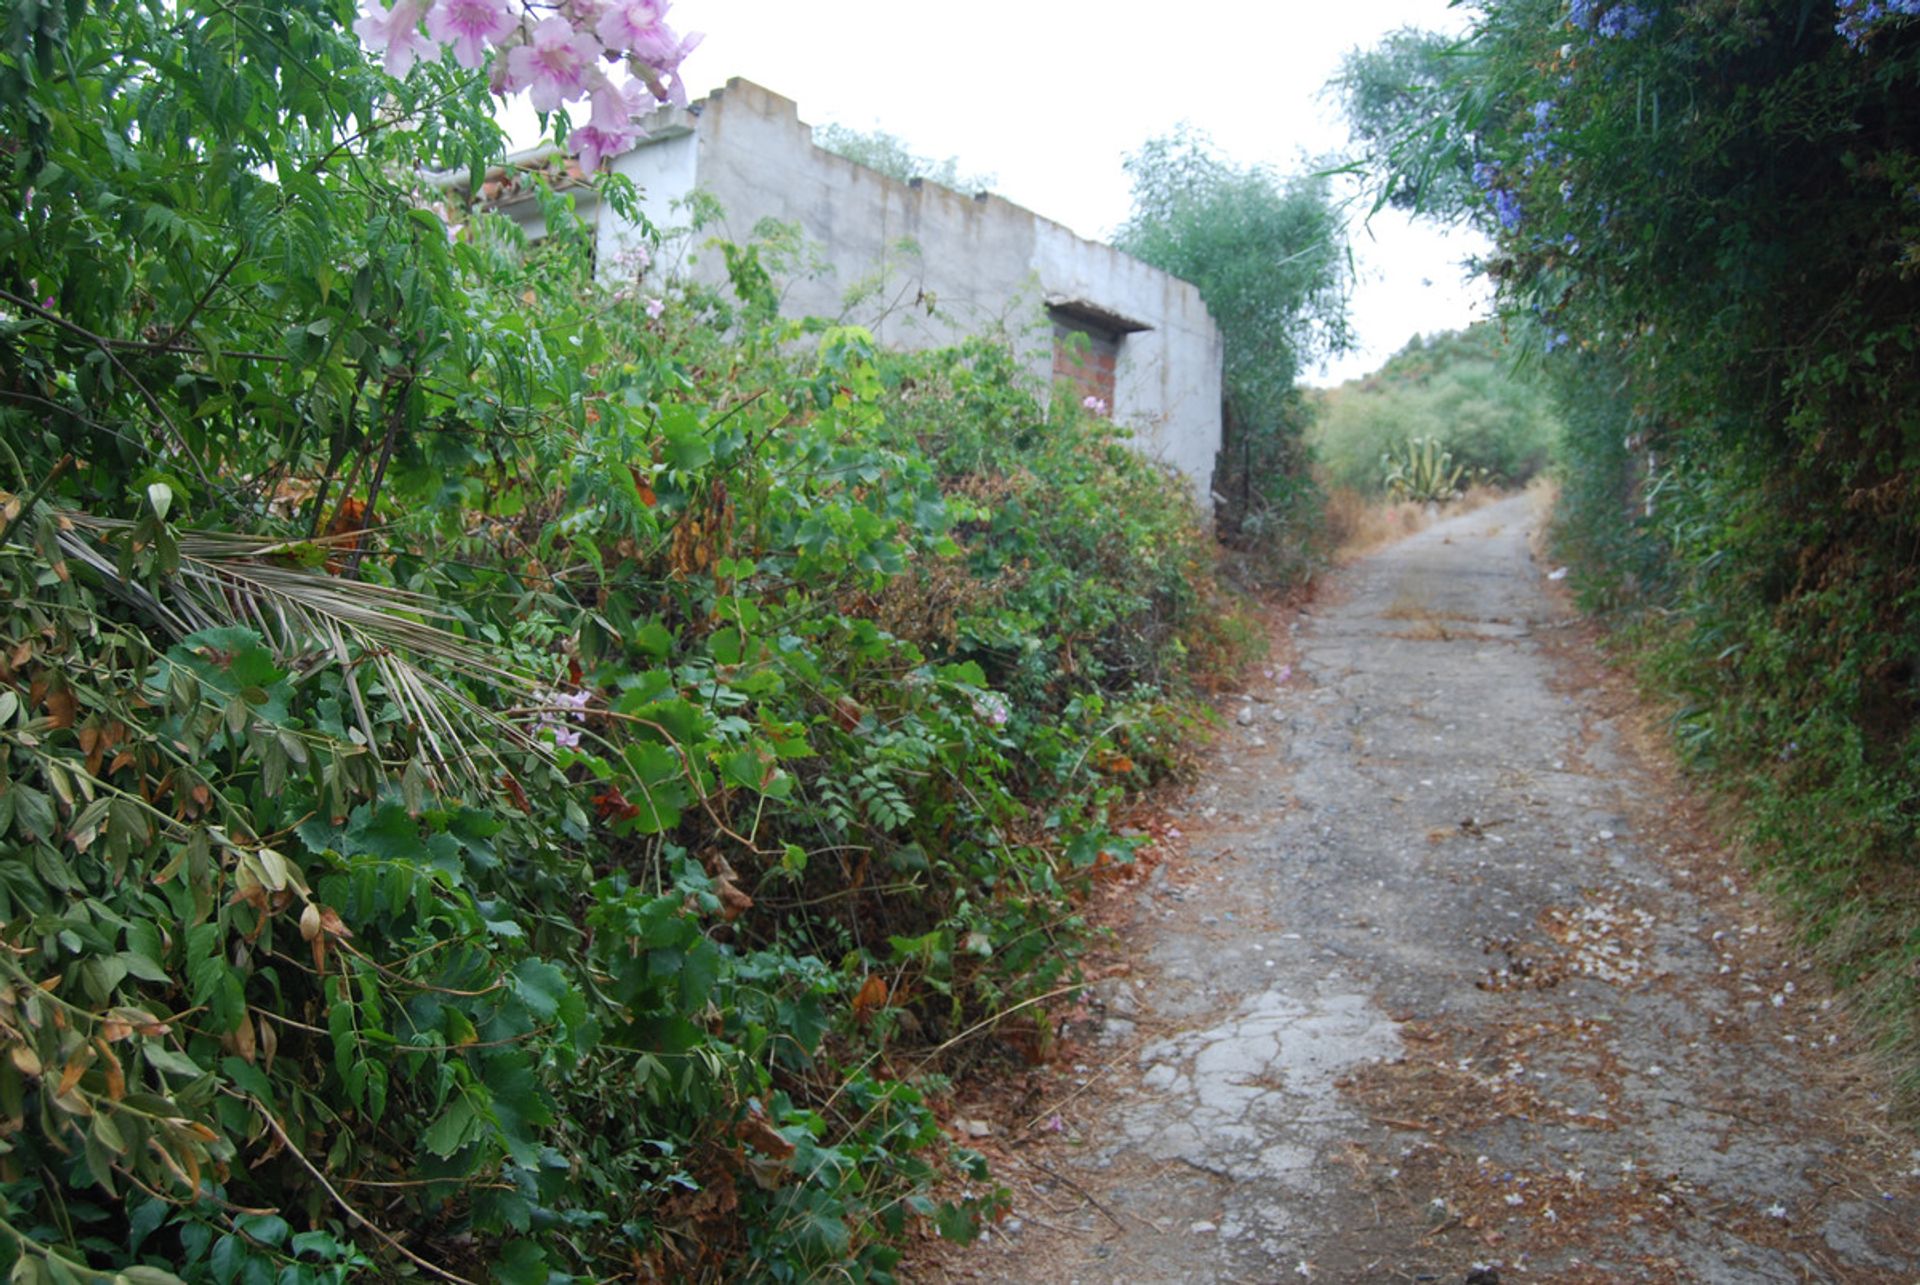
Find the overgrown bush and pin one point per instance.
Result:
(501, 778)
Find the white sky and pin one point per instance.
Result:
(1052, 96)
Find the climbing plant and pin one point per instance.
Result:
(1706, 220)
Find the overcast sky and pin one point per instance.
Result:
(1051, 97)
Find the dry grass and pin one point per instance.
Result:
(1358, 524)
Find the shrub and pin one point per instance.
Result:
(1706, 214)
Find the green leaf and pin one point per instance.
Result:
(224, 1262)
(268, 1229)
(686, 445)
(957, 1224)
(545, 990)
(161, 1058)
(521, 1262)
(140, 1274)
(248, 1078)
(458, 1125)
(653, 638)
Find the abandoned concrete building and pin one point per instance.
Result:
(924, 266)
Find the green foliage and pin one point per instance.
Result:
(1706, 214)
(1401, 97)
(1461, 389)
(503, 781)
(1269, 258)
(889, 154)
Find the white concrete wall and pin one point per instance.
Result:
(926, 266)
(664, 172)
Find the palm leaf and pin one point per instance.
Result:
(312, 619)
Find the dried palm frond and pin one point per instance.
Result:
(311, 618)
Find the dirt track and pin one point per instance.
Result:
(1447, 980)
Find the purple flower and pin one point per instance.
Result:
(660, 69)
(394, 33)
(583, 14)
(1624, 22)
(1859, 18)
(469, 25)
(1507, 206)
(574, 703)
(557, 66)
(655, 307)
(615, 106)
(1095, 404)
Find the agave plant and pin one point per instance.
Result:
(1423, 471)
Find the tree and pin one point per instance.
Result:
(1401, 105)
(1269, 258)
(889, 154)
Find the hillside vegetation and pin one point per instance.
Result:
(1460, 390)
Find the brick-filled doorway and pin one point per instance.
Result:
(1087, 341)
(1084, 357)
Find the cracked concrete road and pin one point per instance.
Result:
(1448, 982)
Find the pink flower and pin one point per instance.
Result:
(638, 26)
(595, 145)
(661, 70)
(583, 14)
(1095, 404)
(655, 307)
(556, 67)
(992, 708)
(615, 106)
(468, 25)
(396, 33)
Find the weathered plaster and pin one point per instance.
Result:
(923, 266)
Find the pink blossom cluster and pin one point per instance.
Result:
(556, 53)
(552, 702)
(992, 708)
(1096, 405)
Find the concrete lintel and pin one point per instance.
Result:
(1095, 314)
